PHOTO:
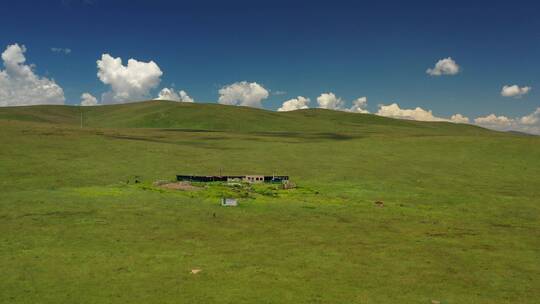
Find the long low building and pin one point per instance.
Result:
(233, 178)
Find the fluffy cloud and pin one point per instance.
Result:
(88, 99)
(330, 101)
(514, 91)
(418, 113)
(494, 121)
(529, 123)
(128, 83)
(297, 103)
(250, 94)
(19, 85)
(61, 50)
(458, 118)
(170, 94)
(446, 66)
(359, 105)
(531, 119)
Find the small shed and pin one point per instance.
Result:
(229, 202)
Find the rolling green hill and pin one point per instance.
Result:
(459, 221)
(215, 117)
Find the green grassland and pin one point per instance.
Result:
(460, 222)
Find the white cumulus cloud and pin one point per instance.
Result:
(531, 119)
(446, 66)
(170, 94)
(359, 105)
(494, 121)
(88, 99)
(458, 118)
(330, 101)
(529, 123)
(19, 85)
(514, 91)
(394, 111)
(129, 82)
(250, 94)
(297, 103)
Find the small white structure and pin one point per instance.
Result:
(254, 179)
(229, 202)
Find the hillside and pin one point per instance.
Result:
(215, 117)
(459, 222)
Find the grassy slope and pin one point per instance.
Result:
(164, 114)
(460, 222)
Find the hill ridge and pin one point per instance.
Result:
(210, 116)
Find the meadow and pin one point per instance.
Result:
(460, 221)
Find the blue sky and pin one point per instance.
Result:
(304, 48)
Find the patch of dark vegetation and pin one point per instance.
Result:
(310, 136)
(214, 138)
(379, 204)
(185, 130)
(518, 133)
(50, 132)
(337, 136)
(160, 140)
(58, 214)
(451, 234)
(134, 138)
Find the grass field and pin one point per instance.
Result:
(460, 222)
